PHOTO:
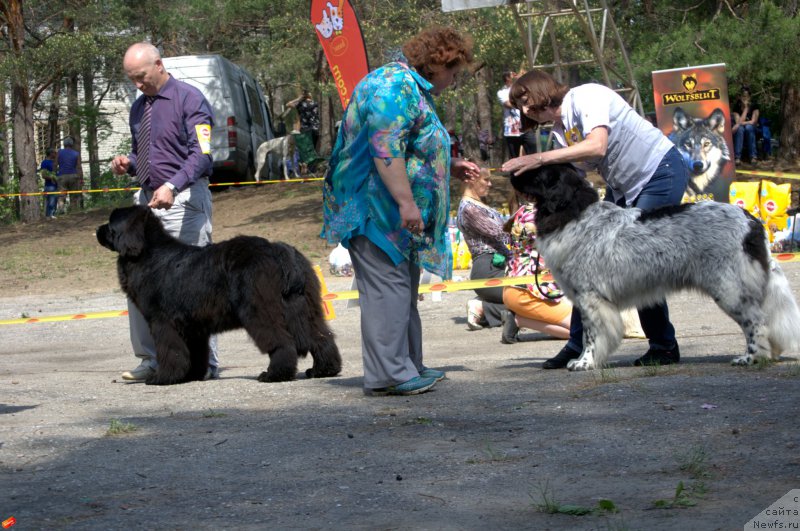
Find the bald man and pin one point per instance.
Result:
(171, 158)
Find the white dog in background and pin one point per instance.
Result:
(284, 147)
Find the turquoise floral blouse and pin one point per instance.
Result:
(391, 115)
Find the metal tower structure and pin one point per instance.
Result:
(602, 47)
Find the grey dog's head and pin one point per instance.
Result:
(560, 192)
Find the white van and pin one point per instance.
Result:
(241, 115)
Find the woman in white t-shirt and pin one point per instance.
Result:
(594, 126)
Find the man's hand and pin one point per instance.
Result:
(120, 165)
(162, 198)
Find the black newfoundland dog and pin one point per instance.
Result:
(188, 293)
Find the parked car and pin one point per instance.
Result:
(241, 114)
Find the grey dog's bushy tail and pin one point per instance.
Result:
(783, 315)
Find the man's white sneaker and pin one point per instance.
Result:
(139, 374)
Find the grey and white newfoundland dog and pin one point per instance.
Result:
(607, 258)
(188, 293)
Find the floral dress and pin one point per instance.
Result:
(391, 115)
(523, 247)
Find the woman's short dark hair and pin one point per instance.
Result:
(536, 88)
(438, 46)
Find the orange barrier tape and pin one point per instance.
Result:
(134, 188)
(447, 286)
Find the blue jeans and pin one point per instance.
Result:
(50, 201)
(666, 187)
(745, 133)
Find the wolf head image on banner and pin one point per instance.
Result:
(702, 143)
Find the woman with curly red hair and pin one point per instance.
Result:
(387, 200)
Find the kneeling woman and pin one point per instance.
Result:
(544, 310)
(482, 229)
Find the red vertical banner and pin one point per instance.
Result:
(339, 32)
(692, 109)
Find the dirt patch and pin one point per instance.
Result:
(63, 256)
(497, 445)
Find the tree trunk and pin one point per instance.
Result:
(24, 150)
(5, 178)
(91, 129)
(450, 114)
(74, 123)
(53, 128)
(25, 154)
(469, 130)
(484, 99)
(790, 131)
(325, 125)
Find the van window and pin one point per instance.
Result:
(252, 97)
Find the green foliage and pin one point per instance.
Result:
(117, 427)
(757, 45)
(9, 210)
(111, 199)
(546, 503)
(683, 497)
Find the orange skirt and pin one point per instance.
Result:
(524, 304)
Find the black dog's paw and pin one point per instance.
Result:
(326, 372)
(157, 379)
(271, 376)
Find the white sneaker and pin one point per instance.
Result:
(139, 374)
(474, 314)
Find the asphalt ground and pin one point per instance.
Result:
(499, 444)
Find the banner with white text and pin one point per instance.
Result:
(692, 109)
(339, 32)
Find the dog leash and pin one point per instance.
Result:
(536, 272)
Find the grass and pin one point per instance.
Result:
(210, 414)
(117, 427)
(546, 502)
(492, 456)
(792, 371)
(694, 463)
(684, 497)
(651, 370)
(763, 363)
(606, 375)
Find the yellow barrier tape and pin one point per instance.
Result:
(447, 286)
(135, 188)
(74, 317)
(776, 174)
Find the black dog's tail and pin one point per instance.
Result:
(302, 302)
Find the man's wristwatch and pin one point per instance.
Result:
(173, 188)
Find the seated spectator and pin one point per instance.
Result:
(528, 305)
(765, 135)
(482, 229)
(745, 120)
